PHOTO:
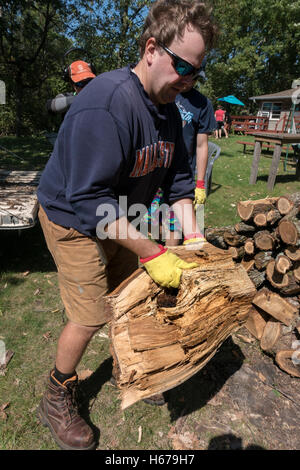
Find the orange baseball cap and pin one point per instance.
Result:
(80, 70)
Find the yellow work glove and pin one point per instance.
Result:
(165, 268)
(194, 241)
(200, 194)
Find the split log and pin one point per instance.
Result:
(293, 253)
(256, 322)
(289, 361)
(257, 277)
(264, 240)
(276, 306)
(247, 263)
(237, 253)
(271, 335)
(277, 279)
(232, 238)
(247, 209)
(282, 263)
(286, 203)
(262, 259)
(273, 216)
(296, 272)
(215, 236)
(157, 344)
(241, 227)
(292, 287)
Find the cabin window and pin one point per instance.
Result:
(273, 110)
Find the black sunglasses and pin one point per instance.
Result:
(181, 66)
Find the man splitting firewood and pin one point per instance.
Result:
(121, 139)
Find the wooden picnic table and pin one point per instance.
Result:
(278, 140)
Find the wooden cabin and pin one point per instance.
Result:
(277, 106)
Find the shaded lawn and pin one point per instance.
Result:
(32, 316)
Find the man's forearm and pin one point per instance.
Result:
(201, 155)
(185, 213)
(125, 234)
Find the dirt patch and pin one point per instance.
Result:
(240, 400)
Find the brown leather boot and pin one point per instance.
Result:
(58, 410)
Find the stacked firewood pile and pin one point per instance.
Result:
(266, 242)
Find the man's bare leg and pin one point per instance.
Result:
(72, 344)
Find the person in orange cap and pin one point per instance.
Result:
(79, 74)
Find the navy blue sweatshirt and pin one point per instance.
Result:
(113, 142)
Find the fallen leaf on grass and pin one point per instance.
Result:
(26, 273)
(140, 434)
(262, 377)
(3, 407)
(47, 335)
(37, 291)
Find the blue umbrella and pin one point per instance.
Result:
(231, 99)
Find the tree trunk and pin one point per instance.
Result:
(19, 105)
(159, 340)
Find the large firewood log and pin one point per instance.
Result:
(289, 228)
(286, 203)
(248, 209)
(159, 338)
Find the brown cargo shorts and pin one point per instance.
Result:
(87, 268)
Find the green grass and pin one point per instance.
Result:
(32, 316)
(231, 175)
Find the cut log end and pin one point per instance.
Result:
(264, 240)
(293, 253)
(277, 279)
(282, 264)
(288, 232)
(271, 335)
(289, 361)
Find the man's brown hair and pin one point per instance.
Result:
(167, 20)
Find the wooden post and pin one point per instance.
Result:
(274, 166)
(298, 170)
(255, 162)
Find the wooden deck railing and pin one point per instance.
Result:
(244, 124)
(248, 124)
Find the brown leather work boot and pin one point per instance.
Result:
(58, 410)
